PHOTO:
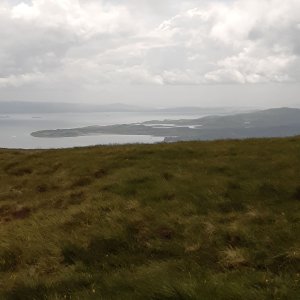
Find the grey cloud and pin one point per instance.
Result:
(91, 45)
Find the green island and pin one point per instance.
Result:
(185, 220)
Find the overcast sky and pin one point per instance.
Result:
(151, 52)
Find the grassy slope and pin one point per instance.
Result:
(197, 220)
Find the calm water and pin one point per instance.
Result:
(15, 129)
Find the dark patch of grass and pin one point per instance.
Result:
(149, 196)
(10, 212)
(71, 253)
(6, 209)
(40, 291)
(21, 213)
(106, 246)
(167, 176)
(220, 169)
(100, 173)
(233, 185)
(24, 292)
(236, 239)
(166, 233)
(7, 167)
(230, 205)
(288, 262)
(172, 294)
(21, 171)
(139, 180)
(82, 182)
(42, 188)
(169, 196)
(76, 198)
(99, 253)
(107, 188)
(58, 203)
(297, 193)
(268, 189)
(9, 259)
(124, 189)
(138, 231)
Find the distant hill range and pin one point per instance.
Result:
(19, 107)
(277, 122)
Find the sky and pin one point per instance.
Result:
(158, 52)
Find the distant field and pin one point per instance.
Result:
(193, 220)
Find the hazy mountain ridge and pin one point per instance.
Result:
(20, 107)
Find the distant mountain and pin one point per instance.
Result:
(206, 110)
(278, 122)
(19, 107)
(52, 107)
(263, 118)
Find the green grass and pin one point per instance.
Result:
(195, 220)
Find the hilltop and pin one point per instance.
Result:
(189, 220)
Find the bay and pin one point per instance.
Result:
(15, 129)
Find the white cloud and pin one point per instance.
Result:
(244, 41)
(25, 11)
(86, 43)
(19, 80)
(84, 18)
(248, 68)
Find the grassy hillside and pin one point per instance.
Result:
(196, 220)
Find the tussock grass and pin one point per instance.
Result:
(193, 220)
